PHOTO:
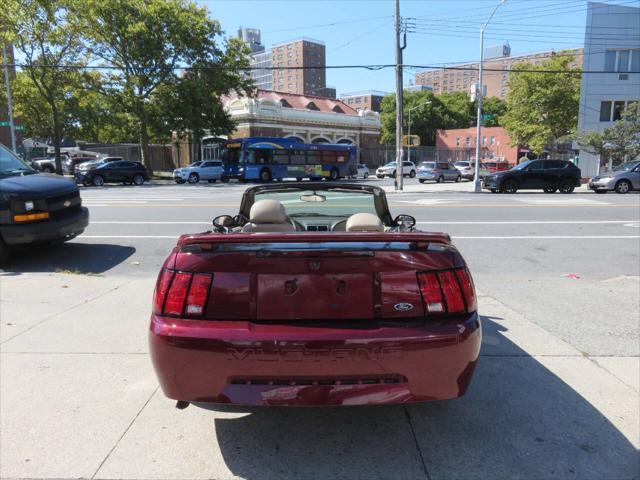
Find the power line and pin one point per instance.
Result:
(305, 67)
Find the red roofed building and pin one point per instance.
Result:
(310, 118)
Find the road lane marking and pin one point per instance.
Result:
(561, 201)
(132, 222)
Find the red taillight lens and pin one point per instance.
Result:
(431, 293)
(467, 289)
(181, 293)
(448, 291)
(198, 294)
(160, 293)
(452, 292)
(174, 305)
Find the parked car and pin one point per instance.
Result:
(113, 172)
(547, 175)
(389, 170)
(48, 164)
(210, 170)
(69, 166)
(497, 166)
(438, 172)
(622, 179)
(468, 169)
(36, 207)
(303, 316)
(362, 171)
(85, 166)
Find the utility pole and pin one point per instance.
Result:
(479, 94)
(399, 99)
(409, 133)
(12, 125)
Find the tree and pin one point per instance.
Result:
(146, 41)
(491, 106)
(51, 51)
(618, 142)
(542, 103)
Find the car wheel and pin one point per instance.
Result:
(265, 175)
(138, 179)
(412, 174)
(493, 190)
(623, 186)
(47, 170)
(97, 181)
(224, 179)
(333, 175)
(193, 178)
(458, 179)
(179, 182)
(440, 179)
(510, 186)
(421, 180)
(566, 187)
(550, 189)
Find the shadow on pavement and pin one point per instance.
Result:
(518, 420)
(69, 257)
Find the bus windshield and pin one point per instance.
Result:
(231, 156)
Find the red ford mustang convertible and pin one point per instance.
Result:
(313, 294)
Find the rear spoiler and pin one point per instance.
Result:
(415, 237)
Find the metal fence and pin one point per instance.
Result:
(379, 155)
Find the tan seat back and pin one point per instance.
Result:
(268, 216)
(364, 222)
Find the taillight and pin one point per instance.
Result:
(181, 293)
(447, 291)
(162, 286)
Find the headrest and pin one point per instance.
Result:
(364, 222)
(267, 211)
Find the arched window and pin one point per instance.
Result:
(285, 104)
(294, 137)
(320, 140)
(337, 109)
(345, 141)
(312, 106)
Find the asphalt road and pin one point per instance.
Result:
(555, 394)
(571, 263)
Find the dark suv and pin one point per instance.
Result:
(36, 207)
(113, 172)
(547, 175)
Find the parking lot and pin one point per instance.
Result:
(555, 395)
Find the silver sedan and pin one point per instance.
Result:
(621, 179)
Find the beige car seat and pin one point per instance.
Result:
(268, 216)
(364, 222)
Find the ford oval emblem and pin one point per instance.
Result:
(403, 307)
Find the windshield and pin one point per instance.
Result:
(10, 164)
(462, 164)
(195, 164)
(522, 166)
(336, 203)
(231, 156)
(428, 165)
(390, 164)
(626, 167)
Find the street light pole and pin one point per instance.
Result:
(409, 134)
(12, 126)
(479, 92)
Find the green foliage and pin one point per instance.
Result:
(542, 107)
(618, 142)
(44, 35)
(446, 111)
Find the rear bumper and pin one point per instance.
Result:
(47, 230)
(232, 362)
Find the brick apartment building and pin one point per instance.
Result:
(466, 74)
(278, 68)
(370, 99)
(460, 144)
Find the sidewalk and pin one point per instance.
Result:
(78, 398)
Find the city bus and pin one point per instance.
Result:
(267, 158)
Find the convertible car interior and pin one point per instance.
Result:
(311, 207)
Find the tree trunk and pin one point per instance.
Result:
(57, 139)
(145, 157)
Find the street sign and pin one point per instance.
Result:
(4, 124)
(411, 140)
(19, 128)
(488, 116)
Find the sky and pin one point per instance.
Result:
(440, 31)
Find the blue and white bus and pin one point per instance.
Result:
(267, 158)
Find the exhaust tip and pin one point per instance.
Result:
(182, 404)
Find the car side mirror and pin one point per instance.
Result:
(222, 223)
(405, 222)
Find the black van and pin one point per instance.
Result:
(36, 207)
